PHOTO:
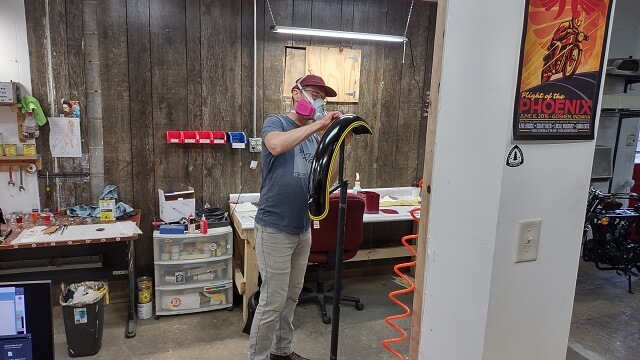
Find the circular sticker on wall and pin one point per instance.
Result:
(515, 157)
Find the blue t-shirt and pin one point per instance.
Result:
(284, 194)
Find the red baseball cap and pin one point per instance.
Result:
(315, 80)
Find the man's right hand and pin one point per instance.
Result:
(331, 116)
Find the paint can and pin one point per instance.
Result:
(145, 310)
(144, 294)
(145, 281)
(10, 149)
(29, 149)
(144, 289)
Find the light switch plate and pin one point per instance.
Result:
(527, 240)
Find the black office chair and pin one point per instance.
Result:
(323, 249)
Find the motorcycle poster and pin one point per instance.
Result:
(561, 69)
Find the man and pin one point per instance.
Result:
(282, 230)
(564, 35)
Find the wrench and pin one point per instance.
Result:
(21, 188)
(11, 182)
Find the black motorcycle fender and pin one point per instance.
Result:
(324, 159)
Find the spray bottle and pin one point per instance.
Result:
(30, 128)
(204, 225)
(191, 228)
(356, 186)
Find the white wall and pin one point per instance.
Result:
(14, 65)
(625, 157)
(625, 37)
(625, 42)
(478, 303)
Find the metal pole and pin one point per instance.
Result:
(335, 325)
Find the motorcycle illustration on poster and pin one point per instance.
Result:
(561, 69)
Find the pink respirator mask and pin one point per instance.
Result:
(308, 107)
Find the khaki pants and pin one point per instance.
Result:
(282, 261)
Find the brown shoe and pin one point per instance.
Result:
(292, 356)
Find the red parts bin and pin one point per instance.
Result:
(189, 137)
(204, 137)
(219, 137)
(196, 137)
(174, 137)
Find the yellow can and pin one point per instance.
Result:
(10, 149)
(144, 289)
(29, 149)
(144, 281)
(144, 294)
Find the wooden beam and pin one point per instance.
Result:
(241, 285)
(432, 123)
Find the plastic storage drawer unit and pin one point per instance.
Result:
(193, 272)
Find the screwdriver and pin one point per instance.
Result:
(48, 187)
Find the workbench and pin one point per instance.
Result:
(72, 259)
(246, 271)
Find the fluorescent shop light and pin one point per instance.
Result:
(337, 34)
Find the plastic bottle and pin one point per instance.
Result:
(30, 128)
(204, 225)
(191, 229)
(356, 186)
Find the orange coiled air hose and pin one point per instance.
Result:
(393, 294)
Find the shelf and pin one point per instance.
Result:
(193, 261)
(194, 285)
(13, 105)
(16, 161)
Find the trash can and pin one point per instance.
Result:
(83, 315)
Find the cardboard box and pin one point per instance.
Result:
(176, 205)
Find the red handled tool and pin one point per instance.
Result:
(11, 182)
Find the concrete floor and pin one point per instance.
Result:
(218, 334)
(605, 325)
(606, 319)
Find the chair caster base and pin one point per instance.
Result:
(359, 306)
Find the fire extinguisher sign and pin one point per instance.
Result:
(561, 68)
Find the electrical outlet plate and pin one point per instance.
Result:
(255, 144)
(527, 240)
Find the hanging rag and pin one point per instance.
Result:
(109, 192)
(123, 210)
(29, 103)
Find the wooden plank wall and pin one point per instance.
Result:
(188, 64)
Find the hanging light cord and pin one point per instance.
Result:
(271, 12)
(406, 28)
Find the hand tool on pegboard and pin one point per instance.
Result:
(21, 188)
(11, 182)
(48, 187)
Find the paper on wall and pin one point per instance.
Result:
(64, 137)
